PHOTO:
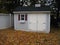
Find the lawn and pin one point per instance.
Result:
(12, 37)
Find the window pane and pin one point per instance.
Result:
(22, 18)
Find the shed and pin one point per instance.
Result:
(36, 19)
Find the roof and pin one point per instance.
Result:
(32, 8)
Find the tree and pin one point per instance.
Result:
(8, 5)
(58, 6)
(55, 10)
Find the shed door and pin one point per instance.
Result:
(32, 22)
(42, 22)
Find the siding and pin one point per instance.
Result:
(18, 25)
(43, 20)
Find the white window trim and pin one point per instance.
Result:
(20, 18)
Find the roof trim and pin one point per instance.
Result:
(31, 12)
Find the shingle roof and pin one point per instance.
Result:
(32, 8)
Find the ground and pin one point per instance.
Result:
(12, 37)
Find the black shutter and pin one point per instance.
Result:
(19, 17)
(26, 17)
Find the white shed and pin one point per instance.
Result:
(37, 21)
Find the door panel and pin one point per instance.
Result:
(32, 22)
(42, 22)
(37, 22)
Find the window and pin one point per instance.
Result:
(22, 17)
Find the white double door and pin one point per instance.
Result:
(37, 22)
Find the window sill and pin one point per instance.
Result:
(22, 22)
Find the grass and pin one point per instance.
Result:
(12, 37)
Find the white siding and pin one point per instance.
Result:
(18, 25)
(32, 22)
(39, 22)
(42, 22)
(36, 23)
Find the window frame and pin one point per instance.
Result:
(20, 18)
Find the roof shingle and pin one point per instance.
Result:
(32, 8)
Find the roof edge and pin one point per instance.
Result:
(32, 12)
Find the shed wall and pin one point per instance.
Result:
(39, 22)
(18, 25)
(35, 22)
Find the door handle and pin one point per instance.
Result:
(44, 23)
